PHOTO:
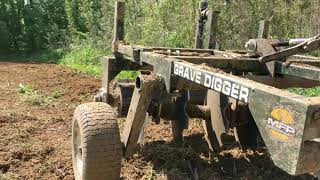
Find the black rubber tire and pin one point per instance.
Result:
(96, 144)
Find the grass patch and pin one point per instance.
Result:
(85, 58)
(46, 56)
(42, 168)
(88, 69)
(35, 98)
(127, 75)
(308, 92)
(24, 89)
(56, 94)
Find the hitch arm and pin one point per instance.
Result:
(306, 46)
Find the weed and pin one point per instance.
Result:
(150, 174)
(33, 97)
(25, 89)
(28, 146)
(56, 94)
(37, 99)
(42, 168)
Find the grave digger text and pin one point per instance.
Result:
(212, 81)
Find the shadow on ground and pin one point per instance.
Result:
(193, 160)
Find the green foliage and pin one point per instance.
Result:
(56, 94)
(172, 23)
(161, 23)
(86, 58)
(309, 92)
(127, 75)
(45, 56)
(35, 98)
(33, 25)
(79, 32)
(30, 25)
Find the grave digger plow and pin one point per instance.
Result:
(239, 90)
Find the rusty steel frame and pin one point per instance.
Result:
(225, 72)
(261, 100)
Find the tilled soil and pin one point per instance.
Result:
(35, 131)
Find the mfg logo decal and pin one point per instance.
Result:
(280, 124)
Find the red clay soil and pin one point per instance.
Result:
(35, 135)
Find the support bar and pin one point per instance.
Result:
(145, 85)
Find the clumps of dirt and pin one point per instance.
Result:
(7, 119)
(160, 158)
(27, 154)
(4, 166)
(46, 151)
(35, 138)
(22, 155)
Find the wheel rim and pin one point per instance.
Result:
(77, 150)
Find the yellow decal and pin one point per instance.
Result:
(280, 124)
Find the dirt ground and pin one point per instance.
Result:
(35, 134)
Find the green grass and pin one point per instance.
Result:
(24, 89)
(34, 97)
(46, 56)
(127, 75)
(56, 94)
(85, 58)
(309, 92)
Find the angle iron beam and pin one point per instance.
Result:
(298, 70)
(227, 64)
(236, 64)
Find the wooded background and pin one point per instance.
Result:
(33, 25)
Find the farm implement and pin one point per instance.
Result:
(242, 91)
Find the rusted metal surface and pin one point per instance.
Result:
(286, 122)
(263, 47)
(264, 28)
(119, 21)
(210, 42)
(203, 7)
(145, 85)
(246, 91)
(268, 49)
(309, 45)
(226, 63)
(198, 111)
